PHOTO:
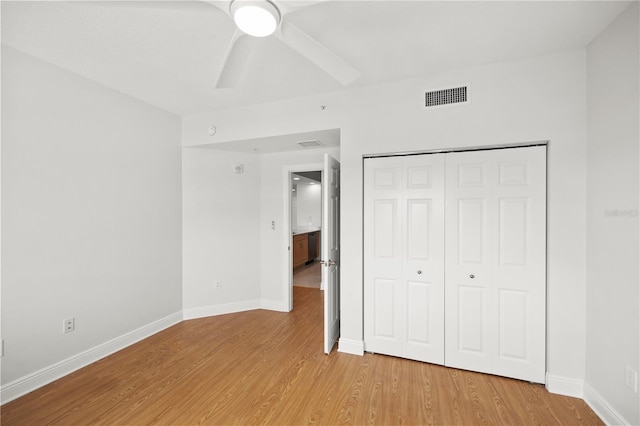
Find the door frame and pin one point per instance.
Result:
(287, 238)
(457, 149)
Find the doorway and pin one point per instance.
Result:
(329, 236)
(306, 228)
(294, 227)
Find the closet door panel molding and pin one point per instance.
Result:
(500, 248)
(454, 259)
(404, 242)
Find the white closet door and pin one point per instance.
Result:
(495, 262)
(404, 256)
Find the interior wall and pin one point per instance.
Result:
(91, 221)
(613, 172)
(531, 99)
(227, 229)
(221, 234)
(1, 341)
(309, 207)
(274, 243)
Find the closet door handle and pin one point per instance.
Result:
(419, 271)
(472, 276)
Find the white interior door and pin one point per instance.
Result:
(404, 256)
(495, 262)
(330, 236)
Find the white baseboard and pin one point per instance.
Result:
(353, 347)
(565, 386)
(227, 308)
(602, 408)
(274, 305)
(42, 377)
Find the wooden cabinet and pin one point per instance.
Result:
(306, 248)
(300, 249)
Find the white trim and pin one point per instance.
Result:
(44, 376)
(353, 347)
(274, 305)
(565, 386)
(602, 408)
(459, 149)
(226, 308)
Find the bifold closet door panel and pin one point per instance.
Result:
(404, 256)
(423, 257)
(468, 261)
(382, 255)
(495, 262)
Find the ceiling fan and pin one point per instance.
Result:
(262, 18)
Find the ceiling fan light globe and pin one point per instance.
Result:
(256, 18)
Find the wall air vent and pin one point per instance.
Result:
(456, 95)
(310, 144)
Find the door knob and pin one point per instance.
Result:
(419, 271)
(472, 276)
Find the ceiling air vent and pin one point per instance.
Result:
(456, 95)
(310, 144)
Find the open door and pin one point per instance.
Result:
(331, 250)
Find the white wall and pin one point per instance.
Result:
(1, 342)
(526, 100)
(613, 171)
(227, 229)
(221, 237)
(91, 221)
(309, 206)
(274, 271)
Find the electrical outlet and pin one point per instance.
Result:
(631, 378)
(69, 325)
(218, 283)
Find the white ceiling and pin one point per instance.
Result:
(329, 138)
(169, 53)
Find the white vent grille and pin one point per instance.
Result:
(456, 95)
(310, 144)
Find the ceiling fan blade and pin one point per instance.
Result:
(197, 6)
(290, 6)
(235, 61)
(308, 47)
(223, 5)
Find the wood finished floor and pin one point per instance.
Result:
(263, 367)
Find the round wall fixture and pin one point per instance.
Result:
(212, 130)
(238, 168)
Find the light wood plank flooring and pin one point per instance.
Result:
(263, 367)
